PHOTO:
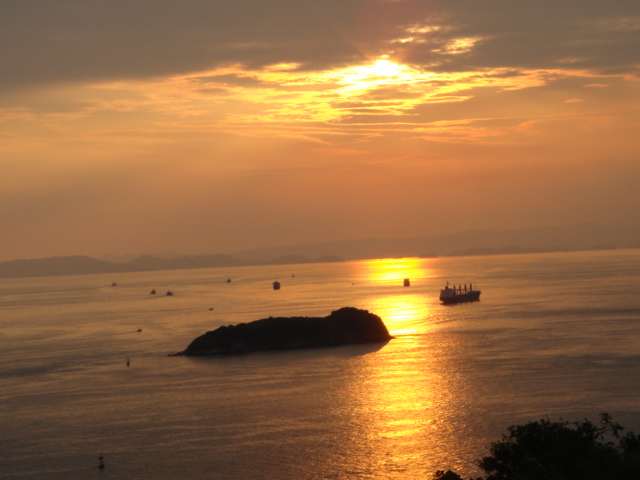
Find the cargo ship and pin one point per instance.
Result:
(459, 294)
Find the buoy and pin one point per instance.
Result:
(228, 280)
(101, 464)
(276, 285)
(407, 283)
(153, 292)
(128, 363)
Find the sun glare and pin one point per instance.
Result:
(381, 72)
(395, 270)
(386, 68)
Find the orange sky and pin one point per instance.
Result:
(214, 126)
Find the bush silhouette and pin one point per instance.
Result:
(561, 450)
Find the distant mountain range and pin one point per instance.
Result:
(588, 236)
(79, 265)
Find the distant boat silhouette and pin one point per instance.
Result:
(114, 284)
(407, 283)
(153, 292)
(276, 285)
(169, 293)
(228, 280)
(101, 464)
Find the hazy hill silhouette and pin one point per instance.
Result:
(586, 236)
(79, 265)
(73, 265)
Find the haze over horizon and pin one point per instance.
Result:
(211, 126)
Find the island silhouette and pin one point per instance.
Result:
(345, 326)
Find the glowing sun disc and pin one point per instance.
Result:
(386, 68)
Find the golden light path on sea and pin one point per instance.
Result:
(402, 398)
(403, 312)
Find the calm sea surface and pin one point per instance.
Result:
(553, 334)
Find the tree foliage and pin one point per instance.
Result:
(561, 450)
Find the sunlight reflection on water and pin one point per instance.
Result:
(404, 401)
(395, 269)
(402, 392)
(403, 313)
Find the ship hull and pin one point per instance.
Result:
(473, 296)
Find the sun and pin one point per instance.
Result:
(379, 73)
(386, 68)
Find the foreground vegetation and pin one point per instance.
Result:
(562, 450)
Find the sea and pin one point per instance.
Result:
(554, 335)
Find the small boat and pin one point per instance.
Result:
(153, 292)
(459, 294)
(407, 282)
(169, 293)
(114, 284)
(276, 285)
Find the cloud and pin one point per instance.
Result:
(532, 35)
(72, 40)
